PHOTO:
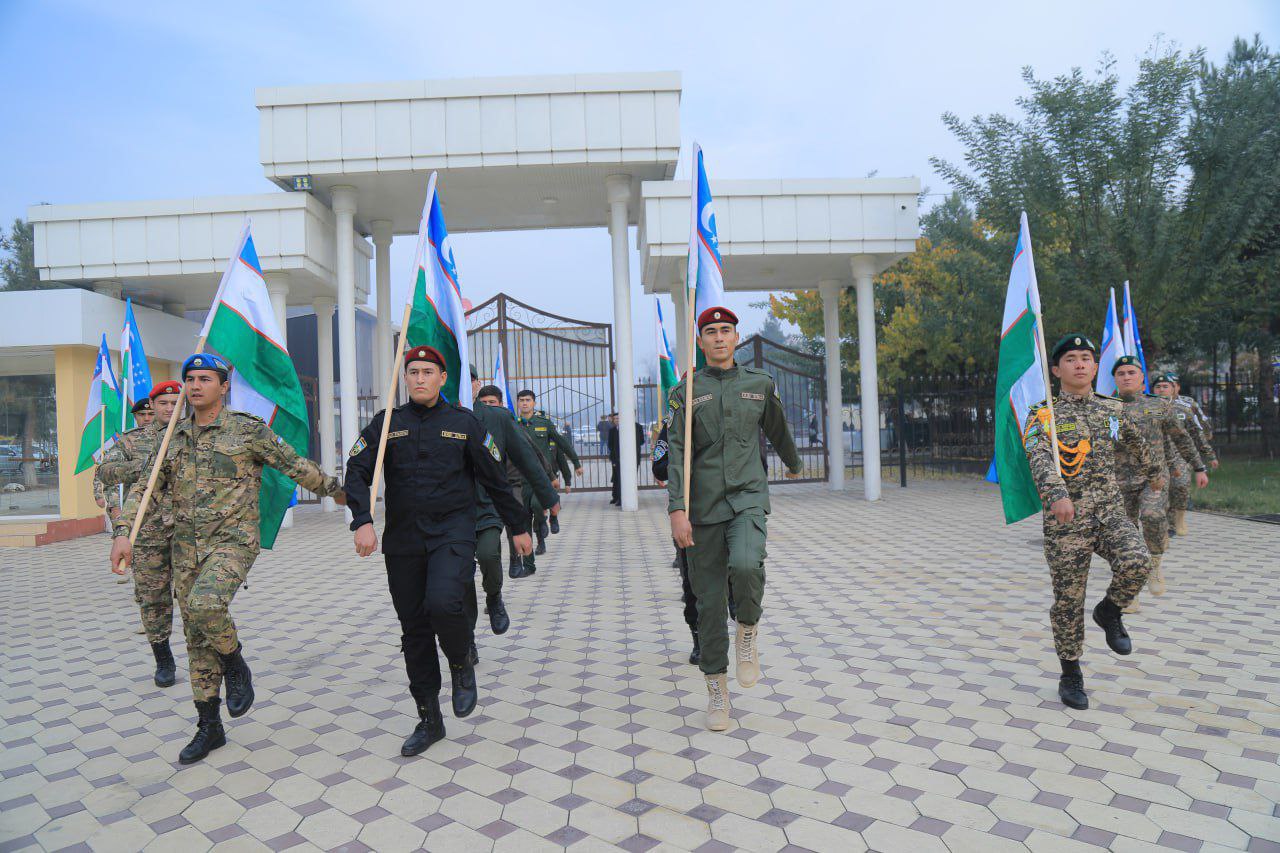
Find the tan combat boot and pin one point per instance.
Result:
(718, 702)
(1155, 580)
(1180, 522)
(748, 654)
(1131, 607)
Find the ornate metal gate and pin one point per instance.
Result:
(798, 376)
(567, 363)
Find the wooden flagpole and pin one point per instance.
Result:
(1048, 389)
(393, 382)
(687, 460)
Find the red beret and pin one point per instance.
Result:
(424, 354)
(716, 314)
(171, 386)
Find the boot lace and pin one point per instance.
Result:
(747, 648)
(717, 695)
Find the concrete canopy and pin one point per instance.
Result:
(512, 152)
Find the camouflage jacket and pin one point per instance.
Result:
(127, 462)
(1188, 413)
(1091, 427)
(1155, 419)
(213, 474)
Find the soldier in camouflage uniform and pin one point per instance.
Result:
(109, 499)
(124, 464)
(1200, 428)
(1146, 507)
(1083, 510)
(212, 471)
(547, 440)
(722, 527)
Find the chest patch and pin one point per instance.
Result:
(400, 433)
(704, 398)
(747, 395)
(1114, 424)
(1065, 426)
(539, 429)
(461, 436)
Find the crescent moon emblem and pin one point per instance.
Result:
(707, 216)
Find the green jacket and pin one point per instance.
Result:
(520, 454)
(730, 407)
(547, 439)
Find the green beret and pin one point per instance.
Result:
(1072, 342)
(1124, 361)
(1168, 376)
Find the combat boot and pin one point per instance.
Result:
(1155, 580)
(718, 702)
(464, 688)
(1071, 686)
(239, 681)
(542, 544)
(695, 656)
(1107, 615)
(515, 568)
(473, 655)
(499, 621)
(429, 730)
(166, 669)
(747, 645)
(1180, 522)
(209, 732)
(555, 525)
(543, 529)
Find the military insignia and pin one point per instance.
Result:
(1114, 423)
(279, 440)
(1065, 426)
(539, 429)
(197, 362)
(1032, 441)
(704, 398)
(461, 436)
(1182, 416)
(1078, 342)
(492, 447)
(747, 395)
(400, 433)
(358, 446)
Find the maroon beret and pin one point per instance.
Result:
(424, 354)
(716, 314)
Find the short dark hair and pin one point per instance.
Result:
(525, 392)
(490, 391)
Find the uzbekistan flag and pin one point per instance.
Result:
(1112, 349)
(1019, 382)
(1132, 337)
(135, 373)
(668, 376)
(500, 379)
(705, 275)
(242, 327)
(101, 412)
(438, 318)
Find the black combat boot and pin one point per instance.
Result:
(166, 669)
(473, 655)
(542, 544)
(1071, 686)
(515, 568)
(1107, 615)
(555, 525)
(239, 681)
(499, 621)
(429, 730)
(695, 656)
(464, 689)
(209, 733)
(542, 528)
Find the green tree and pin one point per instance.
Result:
(18, 267)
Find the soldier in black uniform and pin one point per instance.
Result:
(436, 454)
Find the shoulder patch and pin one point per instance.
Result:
(360, 445)
(492, 447)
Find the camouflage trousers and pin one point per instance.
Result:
(1149, 511)
(1179, 486)
(204, 592)
(1069, 548)
(153, 589)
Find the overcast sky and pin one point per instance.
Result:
(134, 100)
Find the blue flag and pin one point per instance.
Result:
(1133, 337)
(135, 372)
(1112, 349)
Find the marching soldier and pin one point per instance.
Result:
(722, 527)
(124, 464)
(1148, 507)
(437, 453)
(212, 470)
(1083, 510)
(546, 439)
(110, 499)
(564, 481)
(1200, 429)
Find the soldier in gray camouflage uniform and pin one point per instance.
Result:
(1083, 511)
(1148, 508)
(124, 464)
(212, 470)
(1200, 428)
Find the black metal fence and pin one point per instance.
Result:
(1233, 402)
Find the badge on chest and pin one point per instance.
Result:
(460, 436)
(400, 433)
(703, 399)
(747, 395)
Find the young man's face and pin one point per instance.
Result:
(525, 405)
(144, 417)
(1128, 379)
(424, 379)
(205, 389)
(164, 404)
(1076, 367)
(613, 419)
(490, 400)
(1165, 389)
(718, 341)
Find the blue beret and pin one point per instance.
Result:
(205, 361)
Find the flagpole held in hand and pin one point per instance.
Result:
(1048, 389)
(392, 382)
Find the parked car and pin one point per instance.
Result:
(10, 465)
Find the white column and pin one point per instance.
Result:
(324, 389)
(344, 209)
(278, 291)
(830, 291)
(114, 289)
(619, 188)
(382, 282)
(863, 270)
(680, 299)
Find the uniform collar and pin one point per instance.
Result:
(720, 372)
(1073, 398)
(190, 421)
(421, 410)
(1130, 397)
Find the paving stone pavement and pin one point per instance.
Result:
(909, 700)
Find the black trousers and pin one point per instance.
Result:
(429, 594)
(489, 558)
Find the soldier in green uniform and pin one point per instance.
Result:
(722, 527)
(1200, 429)
(547, 440)
(124, 464)
(1083, 510)
(562, 483)
(110, 499)
(212, 471)
(1147, 507)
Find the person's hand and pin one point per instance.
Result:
(555, 510)
(681, 530)
(662, 484)
(121, 554)
(789, 476)
(523, 544)
(577, 472)
(555, 484)
(1202, 479)
(340, 498)
(1063, 510)
(366, 540)
(1213, 466)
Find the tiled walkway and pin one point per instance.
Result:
(909, 700)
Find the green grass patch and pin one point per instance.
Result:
(1241, 487)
